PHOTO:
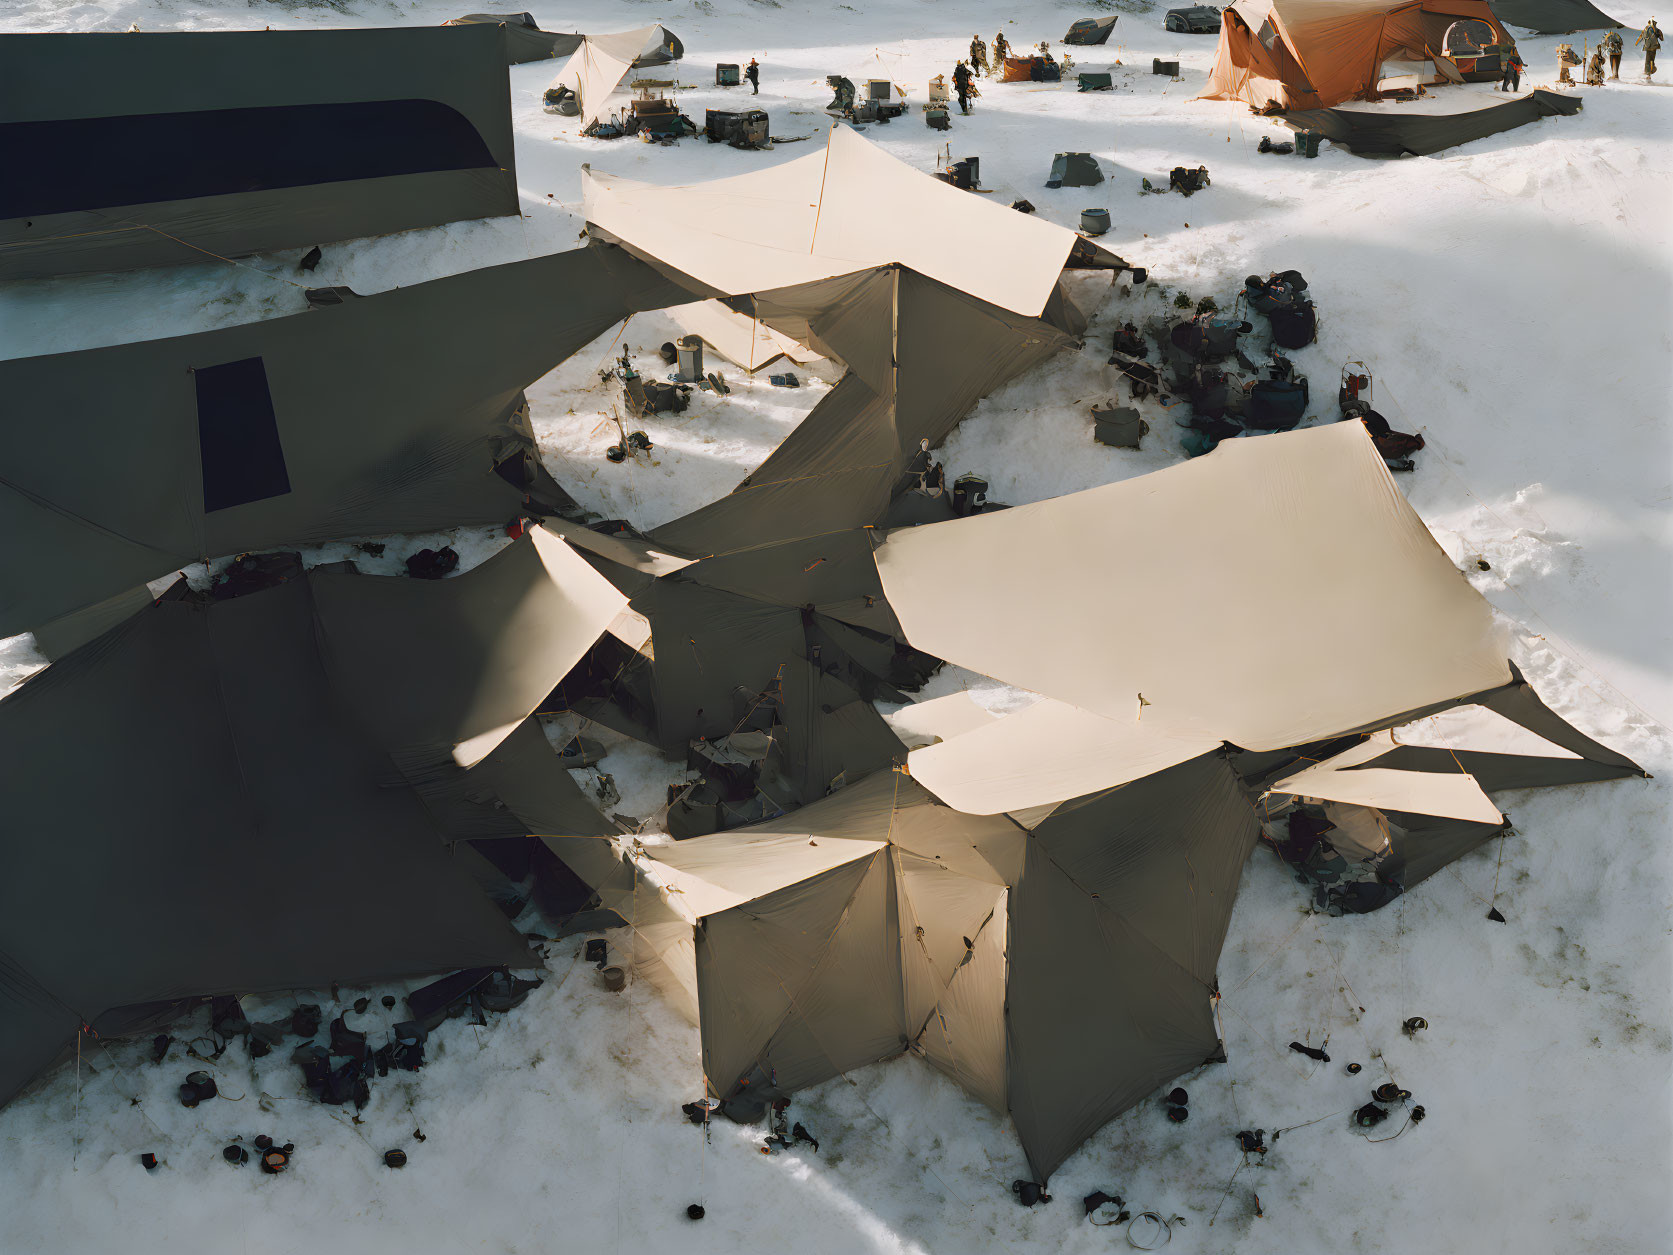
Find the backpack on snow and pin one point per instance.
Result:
(1294, 326)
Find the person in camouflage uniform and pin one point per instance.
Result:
(1612, 44)
(1594, 68)
(963, 87)
(1001, 49)
(978, 55)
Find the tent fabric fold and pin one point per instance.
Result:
(391, 413)
(879, 921)
(1553, 17)
(264, 703)
(273, 140)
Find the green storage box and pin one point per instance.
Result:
(1095, 83)
(1307, 143)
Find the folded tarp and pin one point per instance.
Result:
(388, 413)
(1551, 17)
(161, 149)
(1390, 134)
(1091, 30)
(524, 40)
(259, 823)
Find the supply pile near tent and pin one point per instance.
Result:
(396, 412)
(177, 157)
(910, 303)
(340, 733)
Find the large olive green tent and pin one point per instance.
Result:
(287, 783)
(399, 412)
(1059, 970)
(123, 151)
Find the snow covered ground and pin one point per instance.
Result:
(1513, 300)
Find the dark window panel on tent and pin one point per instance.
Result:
(165, 149)
(150, 157)
(238, 436)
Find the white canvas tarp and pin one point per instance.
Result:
(1352, 776)
(1048, 753)
(843, 208)
(1276, 591)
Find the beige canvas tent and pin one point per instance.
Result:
(1058, 972)
(874, 264)
(596, 69)
(1312, 54)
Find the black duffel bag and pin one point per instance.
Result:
(1294, 326)
(1275, 404)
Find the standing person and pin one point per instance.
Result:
(753, 74)
(1650, 38)
(1594, 68)
(978, 54)
(1512, 80)
(1612, 45)
(961, 85)
(1001, 49)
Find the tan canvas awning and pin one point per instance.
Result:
(846, 207)
(1275, 591)
(1353, 776)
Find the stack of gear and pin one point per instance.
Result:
(1181, 179)
(748, 129)
(1282, 297)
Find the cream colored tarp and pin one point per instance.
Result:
(597, 67)
(1477, 729)
(845, 207)
(745, 341)
(1352, 776)
(1276, 591)
(938, 719)
(1048, 753)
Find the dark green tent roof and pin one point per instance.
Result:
(212, 798)
(388, 413)
(123, 151)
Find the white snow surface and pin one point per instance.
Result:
(1512, 299)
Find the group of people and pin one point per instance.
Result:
(1612, 46)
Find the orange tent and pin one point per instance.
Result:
(1313, 54)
